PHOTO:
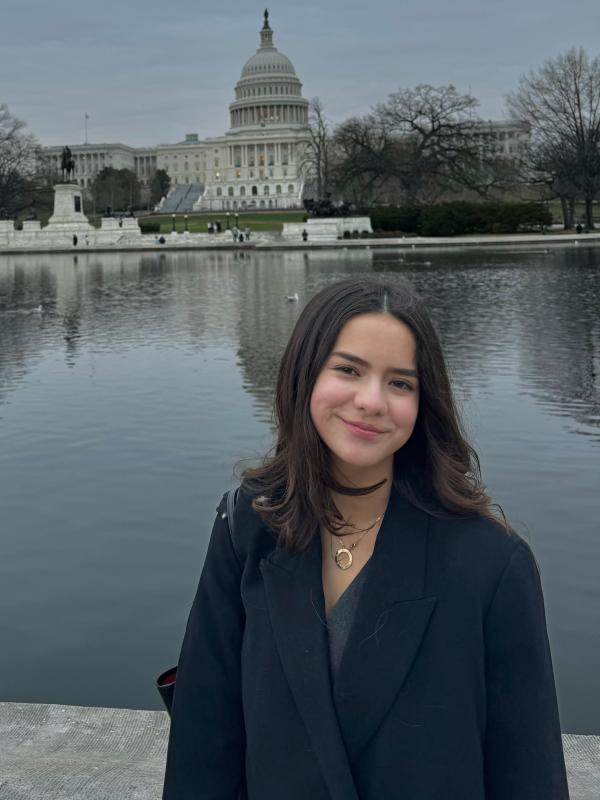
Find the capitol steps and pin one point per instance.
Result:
(182, 198)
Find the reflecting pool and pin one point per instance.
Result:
(131, 384)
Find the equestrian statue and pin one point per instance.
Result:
(67, 164)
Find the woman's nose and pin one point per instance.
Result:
(370, 397)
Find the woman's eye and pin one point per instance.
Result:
(346, 370)
(343, 367)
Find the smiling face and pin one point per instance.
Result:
(373, 384)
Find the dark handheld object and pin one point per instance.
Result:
(165, 683)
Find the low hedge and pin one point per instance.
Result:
(460, 217)
(404, 219)
(150, 227)
(456, 219)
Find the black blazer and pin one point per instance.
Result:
(445, 690)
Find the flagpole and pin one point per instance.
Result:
(86, 129)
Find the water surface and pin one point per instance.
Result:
(126, 401)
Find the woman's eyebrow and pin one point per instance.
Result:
(357, 360)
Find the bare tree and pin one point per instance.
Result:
(363, 149)
(421, 144)
(447, 147)
(19, 153)
(561, 102)
(318, 154)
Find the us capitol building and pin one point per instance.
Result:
(258, 163)
(255, 165)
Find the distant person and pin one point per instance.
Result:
(75, 240)
(162, 240)
(304, 235)
(241, 237)
(369, 625)
(218, 226)
(247, 232)
(579, 229)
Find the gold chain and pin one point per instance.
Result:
(343, 556)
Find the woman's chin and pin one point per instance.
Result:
(347, 462)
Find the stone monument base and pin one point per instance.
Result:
(68, 214)
(326, 229)
(69, 227)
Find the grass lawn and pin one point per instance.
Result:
(198, 223)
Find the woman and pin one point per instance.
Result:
(371, 629)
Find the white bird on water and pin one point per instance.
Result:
(39, 309)
(293, 298)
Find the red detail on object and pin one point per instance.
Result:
(168, 677)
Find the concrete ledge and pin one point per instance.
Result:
(271, 242)
(54, 752)
(66, 752)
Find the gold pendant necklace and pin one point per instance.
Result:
(343, 555)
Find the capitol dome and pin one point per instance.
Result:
(267, 59)
(268, 91)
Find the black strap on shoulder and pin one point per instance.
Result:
(232, 496)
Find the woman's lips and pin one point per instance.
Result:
(362, 433)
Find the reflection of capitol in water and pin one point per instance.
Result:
(118, 301)
(537, 326)
(266, 319)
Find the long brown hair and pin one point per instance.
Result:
(437, 469)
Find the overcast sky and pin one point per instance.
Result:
(149, 72)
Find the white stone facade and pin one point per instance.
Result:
(184, 162)
(508, 139)
(90, 159)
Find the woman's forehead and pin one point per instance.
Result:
(373, 332)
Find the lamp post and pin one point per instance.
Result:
(236, 220)
(173, 222)
(185, 222)
(227, 227)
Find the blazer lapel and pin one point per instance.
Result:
(390, 622)
(294, 590)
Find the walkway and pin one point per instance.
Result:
(52, 752)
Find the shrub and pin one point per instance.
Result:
(150, 227)
(404, 219)
(447, 219)
(455, 219)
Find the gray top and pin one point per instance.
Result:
(341, 617)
